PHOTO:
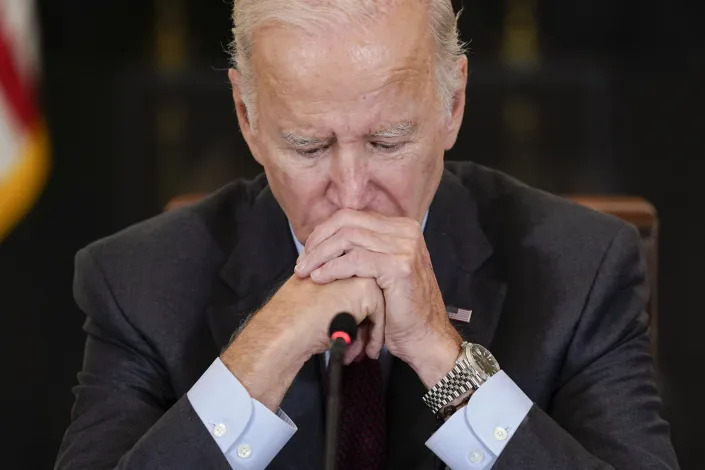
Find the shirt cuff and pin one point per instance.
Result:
(474, 437)
(246, 431)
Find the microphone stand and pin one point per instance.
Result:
(335, 363)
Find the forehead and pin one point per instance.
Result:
(365, 62)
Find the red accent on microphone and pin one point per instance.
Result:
(341, 334)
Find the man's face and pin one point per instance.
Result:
(350, 119)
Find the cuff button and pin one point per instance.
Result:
(244, 451)
(219, 430)
(476, 456)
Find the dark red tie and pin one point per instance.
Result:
(362, 440)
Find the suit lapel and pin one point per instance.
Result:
(468, 278)
(262, 259)
(462, 260)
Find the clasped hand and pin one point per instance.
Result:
(392, 251)
(375, 267)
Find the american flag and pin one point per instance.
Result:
(459, 314)
(24, 148)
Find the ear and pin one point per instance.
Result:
(243, 118)
(456, 116)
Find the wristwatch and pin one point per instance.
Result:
(474, 367)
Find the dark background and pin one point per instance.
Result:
(600, 96)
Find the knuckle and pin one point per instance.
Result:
(408, 246)
(345, 212)
(404, 266)
(314, 233)
(418, 236)
(361, 256)
(370, 287)
(412, 228)
(353, 256)
(359, 283)
(366, 283)
(348, 232)
(323, 269)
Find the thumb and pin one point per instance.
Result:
(357, 346)
(376, 341)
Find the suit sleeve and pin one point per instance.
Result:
(605, 411)
(125, 414)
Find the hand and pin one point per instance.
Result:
(277, 340)
(393, 252)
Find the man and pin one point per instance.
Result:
(207, 327)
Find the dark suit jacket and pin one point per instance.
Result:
(557, 293)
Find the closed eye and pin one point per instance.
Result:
(312, 153)
(385, 147)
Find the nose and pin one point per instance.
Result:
(350, 178)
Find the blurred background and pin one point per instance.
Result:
(601, 96)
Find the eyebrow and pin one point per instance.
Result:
(400, 129)
(296, 140)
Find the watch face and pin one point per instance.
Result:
(484, 360)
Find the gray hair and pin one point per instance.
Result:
(321, 14)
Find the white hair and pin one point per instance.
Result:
(323, 14)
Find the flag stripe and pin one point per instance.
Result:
(18, 95)
(24, 146)
(25, 179)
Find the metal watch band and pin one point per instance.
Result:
(456, 383)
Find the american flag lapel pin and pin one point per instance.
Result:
(459, 314)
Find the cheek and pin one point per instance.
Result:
(398, 184)
(409, 186)
(301, 194)
(295, 189)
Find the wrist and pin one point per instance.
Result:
(438, 355)
(265, 361)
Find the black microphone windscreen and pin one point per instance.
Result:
(344, 322)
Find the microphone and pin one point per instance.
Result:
(342, 331)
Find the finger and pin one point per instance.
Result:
(340, 219)
(357, 346)
(352, 218)
(376, 340)
(360, 263)
(343, 241)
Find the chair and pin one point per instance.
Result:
(634, 210)
(183, 200)
(642, 214)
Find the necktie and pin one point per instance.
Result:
(362, 440)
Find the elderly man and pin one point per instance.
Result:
(501, 327)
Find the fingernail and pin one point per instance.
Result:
(301, 263)
(316, 273)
